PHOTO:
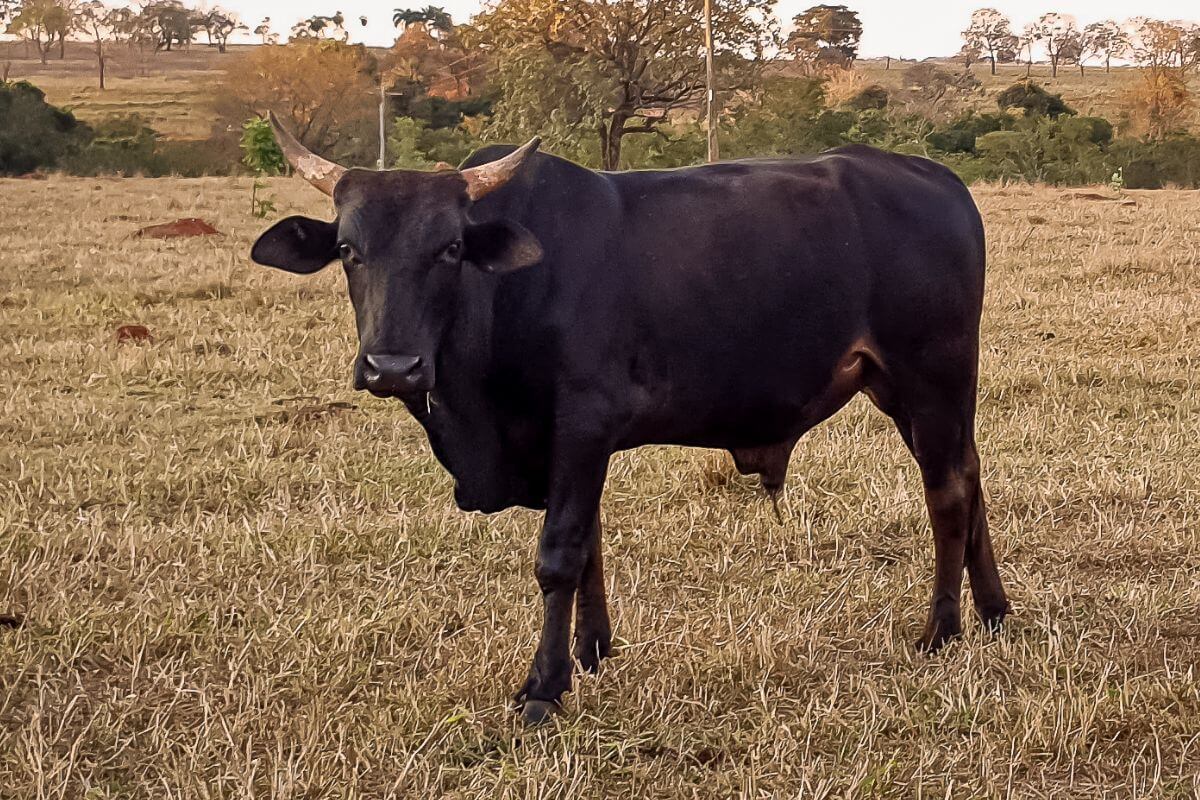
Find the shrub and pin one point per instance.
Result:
(122, 144)
(1155, 164)
(1033, 100)
(960, 135)
(874, 97)
(33, 133)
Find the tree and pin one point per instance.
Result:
(1055, 32)
(220, 25)
(41, 22)
(264, 32)
(101, 24)
(441, 67)
(1160, 104)
(434, 18)
(1071, 50)
(1104, 40)
(167, 23)
(1166, 52)
(991, 33)
(577, 69)
(1033, 100)
(1157, 45)
(1025, 43)
(968, 54)
(825, 36)
(314, 27)
(928, 87)
(323, 89)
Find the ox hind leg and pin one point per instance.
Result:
(934, 410)
(593, 631)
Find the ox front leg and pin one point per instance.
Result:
(577, 481)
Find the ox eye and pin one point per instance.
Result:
(346, 251)
(451, 253)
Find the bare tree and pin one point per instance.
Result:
(990, 32)
(102, 25)
(1104, 40)
(220, 25)
(1055, 32)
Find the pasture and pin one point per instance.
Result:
(240, 578)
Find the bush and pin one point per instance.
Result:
(1155, 164)
(1033, 100)
(33, 133)
(126, 145)
(960, 135)
(120, 144)
(413, 144)
(1053, 151)
(874, 97)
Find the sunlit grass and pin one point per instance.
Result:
(236, 584)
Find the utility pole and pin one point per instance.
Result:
(714, 153)
(382, 124)
(384, 94)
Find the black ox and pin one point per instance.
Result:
(537, 317)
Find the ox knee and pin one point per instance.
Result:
(560, 566)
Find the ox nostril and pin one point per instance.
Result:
(393, 373)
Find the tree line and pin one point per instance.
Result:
(1149, 43)
(620, 84)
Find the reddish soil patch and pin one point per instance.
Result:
(134, 333)
(190, 226)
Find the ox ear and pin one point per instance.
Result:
(501, 246)
(297, 244)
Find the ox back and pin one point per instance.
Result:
(732, 305)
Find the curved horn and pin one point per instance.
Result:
(491, 176)
(322, 174)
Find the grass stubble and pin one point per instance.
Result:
(240, 578)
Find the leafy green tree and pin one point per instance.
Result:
(585, 74)
(825, 35)
(41, 23)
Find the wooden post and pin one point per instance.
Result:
(714, 150)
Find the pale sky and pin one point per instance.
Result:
(912, 29)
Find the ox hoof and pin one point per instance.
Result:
(535, 713)
(937, 635)
(591, 649)
(992, 618)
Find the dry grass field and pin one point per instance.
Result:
(172, 91)
(1094, 93)
(241, 579)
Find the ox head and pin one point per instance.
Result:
(403, 238)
